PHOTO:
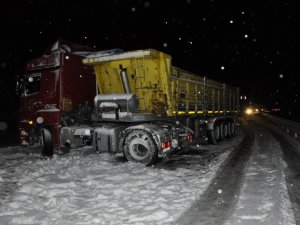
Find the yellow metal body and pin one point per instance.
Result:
(161, 88)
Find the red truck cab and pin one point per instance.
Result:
(55, 90)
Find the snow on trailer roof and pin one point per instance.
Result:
(91, 59)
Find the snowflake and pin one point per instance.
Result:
(133, 9)
(222, 67)
(231, 21)
(246, 35)
(280, 76)
(147, 4)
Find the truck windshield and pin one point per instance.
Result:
(32, 84)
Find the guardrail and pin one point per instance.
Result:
(290, 127)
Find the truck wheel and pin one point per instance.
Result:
(214, 135)
(46, 142)
(140, 147)
(231, 129)
(222, 137)
(225, 129)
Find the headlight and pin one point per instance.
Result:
(40, 120)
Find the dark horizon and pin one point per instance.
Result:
(248, 44)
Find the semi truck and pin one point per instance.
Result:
(144, 108)
(57, 90)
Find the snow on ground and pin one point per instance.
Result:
(264, 198)
(86, 188)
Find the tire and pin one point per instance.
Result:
(140, 147)
(231, 129)
(225, 129)
(46, 142)
(214, 135)
(222, 137)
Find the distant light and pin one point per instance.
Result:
(254, 40)
(191, 42)
(67, 57)
(231, 21)
(188, 1)
(179, 39)
(245, 97)
(242, 12)
(280, 76)
(222, 67)
(165, 45)
(241, 97)
(85, 37)
(69, 20)
(133, 9)
(271, 62)
(166, 22)
(246, 35)
(204, 19)
(41, 32)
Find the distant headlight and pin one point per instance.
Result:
(40, 120)
(249, 111)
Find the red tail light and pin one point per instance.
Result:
(189, 137)
(166, 144)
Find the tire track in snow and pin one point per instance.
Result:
(215, 204)
(291, 153)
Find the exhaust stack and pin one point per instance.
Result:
(125, 80)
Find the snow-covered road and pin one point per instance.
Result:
(86, 188)
(264, 197)
(240, 181)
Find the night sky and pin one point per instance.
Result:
(251, 44)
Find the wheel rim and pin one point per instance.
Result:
(138, 149)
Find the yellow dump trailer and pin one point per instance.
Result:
(161, 88)
(145, 108)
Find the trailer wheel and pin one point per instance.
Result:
(214, 135)
(225, 129)
(231, 129)
(222, 137)
(46, 142)
(140, 147)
